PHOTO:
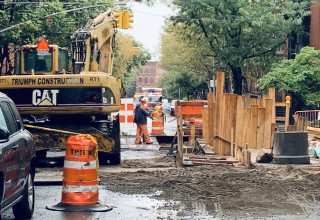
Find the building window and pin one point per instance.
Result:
(152, 70)
(140, 89)
(146, 80)
(151, 80)
(140, 79)
(145, 70)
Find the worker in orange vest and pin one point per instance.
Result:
(140, 118)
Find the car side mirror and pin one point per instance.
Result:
(4, 134)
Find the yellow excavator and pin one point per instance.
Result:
(59, 94)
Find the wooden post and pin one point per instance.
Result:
(267, 123)
(286, 122)
(254, 126)
(232, 153)
(272, 95)
(219, 109)
(205, 124)
(179, 154)
(247, 158)
(192, 138)
(210, 118)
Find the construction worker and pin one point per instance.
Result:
(140, 118)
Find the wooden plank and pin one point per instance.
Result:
(267, 123)
(239, 121)
(226, 125)
(179, 154)
(272, 95)
(212, 161)
(253, 127)
(280, 104)
(205, 124)
(219, 106)
(233, 115)
(253, 101)
(260, 128)
(192, 139)
(210, 118)
(246, 126)
(214, 157)
(247, 100)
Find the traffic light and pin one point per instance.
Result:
(127, 19)
(119, 19)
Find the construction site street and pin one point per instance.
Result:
(147, 185)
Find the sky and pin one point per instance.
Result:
(148, 23)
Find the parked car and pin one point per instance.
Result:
(173, 107)
(17, 157)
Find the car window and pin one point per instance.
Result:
(9, 117)
(3, 122)
(16, 114)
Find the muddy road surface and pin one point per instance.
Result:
(148, 186)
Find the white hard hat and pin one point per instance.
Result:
(144, 99)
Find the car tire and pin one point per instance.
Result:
(25, 207)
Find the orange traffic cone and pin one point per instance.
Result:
(80, 177)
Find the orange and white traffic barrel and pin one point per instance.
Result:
(80, 177)
(157, 122)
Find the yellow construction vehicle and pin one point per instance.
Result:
(57, 96)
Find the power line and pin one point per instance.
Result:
(39, 3)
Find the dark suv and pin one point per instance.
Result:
(17, 155)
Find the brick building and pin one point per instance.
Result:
(148, 77)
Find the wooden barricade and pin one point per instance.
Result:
(231, 120)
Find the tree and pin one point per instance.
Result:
(25, 22)
(187, 65)
(299, 77)
(130, 56)
(242, 34)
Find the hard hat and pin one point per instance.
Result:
(144, 99)
(157, 108)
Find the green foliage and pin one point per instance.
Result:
(243, 35)
(188, 65)
(300, 76)
(28, 22)
(187, 84)
(129, 58)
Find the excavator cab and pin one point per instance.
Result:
(40, 60)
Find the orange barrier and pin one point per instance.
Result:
(191, 111)
(157, 122)
(126, 110)
(80, 176)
